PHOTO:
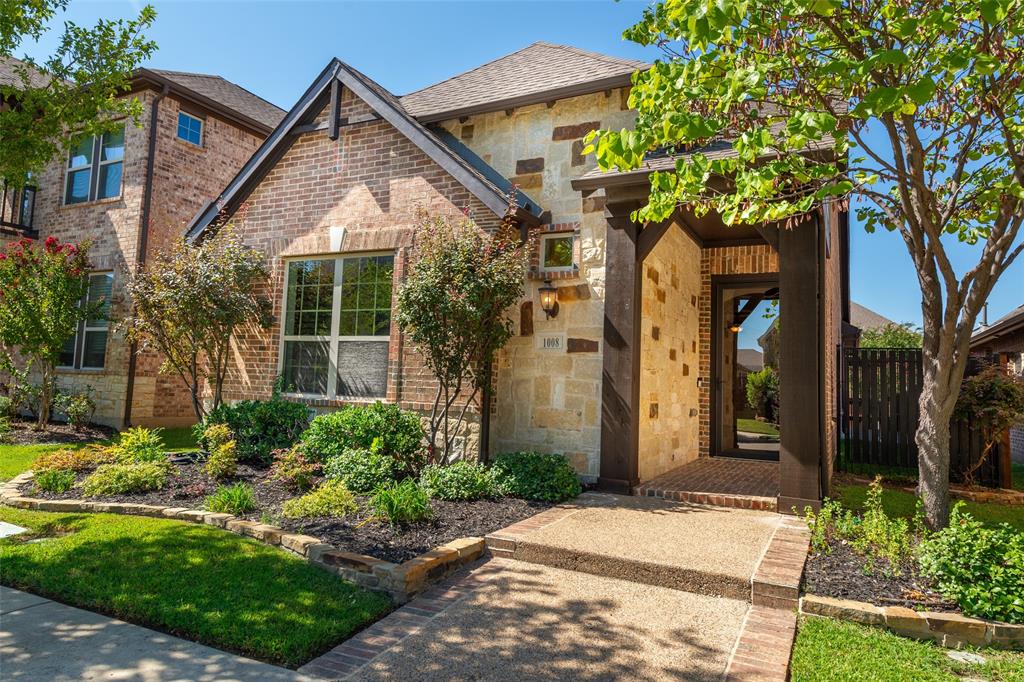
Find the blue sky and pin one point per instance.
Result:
(275, 48)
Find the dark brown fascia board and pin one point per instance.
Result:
(565, 92)
(146, 78)
(993, 332)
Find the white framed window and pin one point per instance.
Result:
(87, 349)
(337, 325)
(190, 128)
(558, 252)
(95, 166)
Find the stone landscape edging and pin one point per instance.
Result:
(950, 630)
(401, 581)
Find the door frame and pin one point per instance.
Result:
(719, 283)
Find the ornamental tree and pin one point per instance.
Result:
(78, 90)
(912, 107)
(42, 294)
(452, 306)
(993, 399)
(891, 335)
(191, 301)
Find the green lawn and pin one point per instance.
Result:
(899, 503)
(193, 581)
(830, 650)
(754, 426)
(1018, 476)
(179, 439)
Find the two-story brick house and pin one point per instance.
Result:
(131, 193)
(630, 374)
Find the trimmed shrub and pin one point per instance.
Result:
(293, 469)
(331, 499)
(216, 435)
(363, 471)
(126, 479)
(980, 568)
(457, 481)
(231, 499)
(55, 480)
(223, 461)
(74, 460)
(77, 407)
(403, 502)
(7, 407)
(139, 445)
(381, 427)
(259, 426)
(6, 430)
(535, 476)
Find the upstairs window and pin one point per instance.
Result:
(87, 349)
(95, 167)
(337, 325)
(190, 129)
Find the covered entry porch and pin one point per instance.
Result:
(660, 404)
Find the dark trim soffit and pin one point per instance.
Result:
(564, 92)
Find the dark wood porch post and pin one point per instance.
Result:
(620, 385)
(801, 364)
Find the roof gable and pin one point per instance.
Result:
(384, 104)
(537, 73)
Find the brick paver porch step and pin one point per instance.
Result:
(720, 482)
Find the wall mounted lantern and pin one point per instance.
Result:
(735, 327)
(549, 299)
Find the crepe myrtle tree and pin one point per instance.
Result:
(190, 301)
(42, 301)
(911, 107)
(77, 90)
(452, 305)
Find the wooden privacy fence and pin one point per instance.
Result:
(878, 394)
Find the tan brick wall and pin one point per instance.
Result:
(550, 400)
(182, 184)
(726, 260)
(670, 328)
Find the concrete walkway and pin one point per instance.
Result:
(44, 640)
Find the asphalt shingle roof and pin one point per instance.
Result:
(9, 73)
(228, 94)
(526, 74)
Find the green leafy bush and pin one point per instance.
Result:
(6, 430)
(138, 445)
(231, 499)
(403, 502)
(215, 435)
(763, 394)
(7, 407)
(381, 427)
(872, 534)
(259, 426)
(980, 568)
(126, 479)
(363, 471)
(535, 476)
(55, 480)
(75, 460)
(457, 481)
(293, 469)
(223, 460)
(331, 499)
(77, 407)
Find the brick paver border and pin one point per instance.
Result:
(776, 580)
(503, 543)
(349, 657)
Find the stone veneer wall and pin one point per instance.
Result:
(669, 395)
(723, 260)
(549, 400)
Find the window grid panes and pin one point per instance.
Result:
(190, 128)
(87, 349)
(557, 252)
(337, 325)
(102, 157)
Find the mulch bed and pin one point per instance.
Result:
(22, 433)
(841, 573)
(354, 533)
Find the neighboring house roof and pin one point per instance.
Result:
(750, 359)
(1010, 323)
(10, 73)
(540, 72)
(865, 318)
(228, 94)
(389, 108)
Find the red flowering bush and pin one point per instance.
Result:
(41, 289)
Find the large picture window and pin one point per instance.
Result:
(94, 169)
(87, 349)
(337, 323)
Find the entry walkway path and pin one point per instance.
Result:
(44, 640)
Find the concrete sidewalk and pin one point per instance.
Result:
(44, 640)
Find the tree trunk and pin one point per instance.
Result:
(45, 396)
(932, 438)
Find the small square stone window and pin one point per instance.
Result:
(558, 253)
